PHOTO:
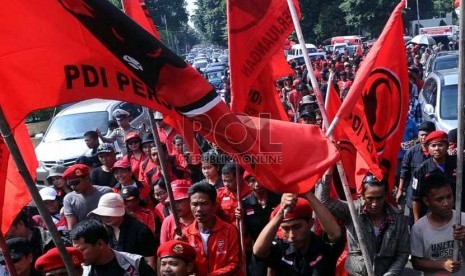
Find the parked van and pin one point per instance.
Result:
(349, 39)
(63, 142)
(296, 50)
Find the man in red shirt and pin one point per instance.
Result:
(180, 188)
(165, 131)
(227, 195)
(215, 241)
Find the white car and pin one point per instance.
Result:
(438, 99)
(63, 142)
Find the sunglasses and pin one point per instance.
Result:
(130, 142)
(371, 179)
(74, 182)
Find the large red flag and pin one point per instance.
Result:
(257, 30)
(373, 113)
(13, 192)
(137, 10)
(56, 52)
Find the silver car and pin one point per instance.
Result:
(438, 99)
(63, 142)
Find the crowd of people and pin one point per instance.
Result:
(114, 214)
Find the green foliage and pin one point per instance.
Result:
(117, 3)
(210, 20)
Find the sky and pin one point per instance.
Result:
(190, 9)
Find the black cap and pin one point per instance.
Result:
(427, 126)
(452, 136)
(129, 192)
(18, 247)
(147, 138)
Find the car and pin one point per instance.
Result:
(441, 61)
(438, 99)
(200, 64)
(299, 60)
(63, 142)
(215, 75)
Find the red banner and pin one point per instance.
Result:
(374, 111)
(56, 52)
(14, 194)
(257, 30)
(137, 10)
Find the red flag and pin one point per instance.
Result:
(373, 113)
(98, 52)
(14, 194)
(457, 3)
(257, 30)
(137, 10)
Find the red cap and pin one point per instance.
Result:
(131, 135)
(121, 164)
(436, 136)
(302, 210)
(52, 261)
(76, 171)
(180, 188)
(177, 249)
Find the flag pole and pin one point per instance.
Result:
(345, 184)
(6, 255)
(31, 186)
(460, 140)
(164, 169)
(240, 221)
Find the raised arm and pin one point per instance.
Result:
(327, 221)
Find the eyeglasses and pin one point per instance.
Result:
(371, 179)
(74, 182)
(130, 142)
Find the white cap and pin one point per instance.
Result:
(109, 205)
(158, 115)
(120, 113)
(48, 193)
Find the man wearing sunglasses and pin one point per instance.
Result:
(84, 197)
(383, 226)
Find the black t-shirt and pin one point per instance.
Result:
(111, 268)
(102, 178)
(321, 257)
(135, 237)
(256, 217)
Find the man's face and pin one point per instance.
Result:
(111, 221)
(79, 185)
(422, 136)
(296, 231)
(202, 207)
(123, 121)
(437, 150)
(178, 144)
(107, 158)
(90, 142)
(170, 266)
(229, 181)
(375, 199)
(440, 201)
(183, 208)
(91, 253)
(255, 186)
(23, 265)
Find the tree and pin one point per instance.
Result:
(117, 3)
(210, 20)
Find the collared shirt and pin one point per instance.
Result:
(320, 258)
(256, 216)
(229, 202)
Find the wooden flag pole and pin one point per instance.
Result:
(164, 169)
(460, 141)
(345, 184)
(31, 186)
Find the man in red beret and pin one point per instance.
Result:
(84, 197)
(176, 258)
(51, 263)
(300, 251)
(439, 162)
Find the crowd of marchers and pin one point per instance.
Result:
(114, 215)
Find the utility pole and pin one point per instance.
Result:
(163, 19)
(418, 18)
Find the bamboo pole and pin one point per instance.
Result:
(345, 185)
(31, 186)
(164, 169)
(460, 141)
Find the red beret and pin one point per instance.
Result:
(177, 249)
(51, 260)
(302, 210)
(436, 136)
(76, 171)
